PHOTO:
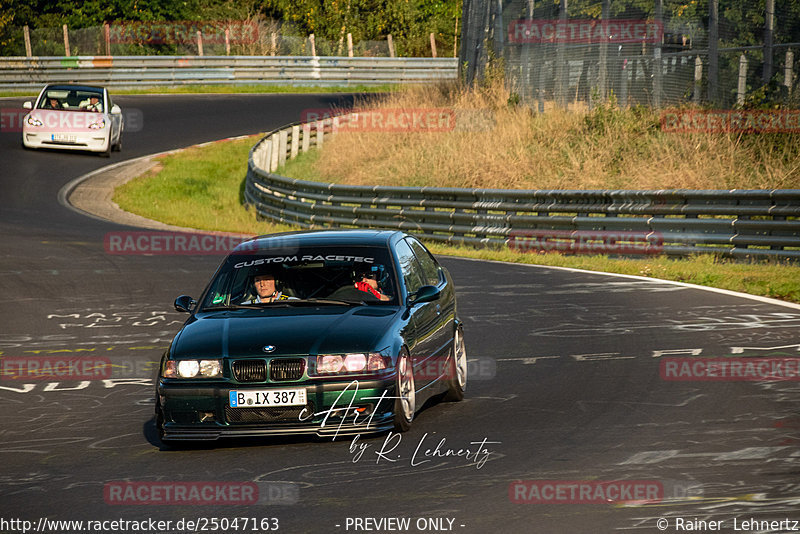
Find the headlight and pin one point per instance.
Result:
(33, 121)
(358, 362)
(97, 125)
(192, 369)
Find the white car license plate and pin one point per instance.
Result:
(64, 138)
(267, 397)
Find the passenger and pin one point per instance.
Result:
(368, 282)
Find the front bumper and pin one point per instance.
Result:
(94, 141)
(202, 412)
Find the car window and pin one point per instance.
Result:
(346, 273)
(430, 269)
(412, 272)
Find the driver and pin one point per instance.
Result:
(367, 281)
(266, 291)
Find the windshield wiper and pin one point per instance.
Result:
(254, 306)
(331, 301)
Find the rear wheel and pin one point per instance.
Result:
(405, 405)
(458, 369)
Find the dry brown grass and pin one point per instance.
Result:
(606, 148)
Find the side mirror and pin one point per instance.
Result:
(184, 303)
(28, 105)
(115, 110)
(425, 294)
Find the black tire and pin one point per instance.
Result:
(457, 383)
(405, 404)
(118, 146)
(107, 152)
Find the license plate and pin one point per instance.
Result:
(64, 138)
(267, 397)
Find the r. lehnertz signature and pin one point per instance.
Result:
(427, 449)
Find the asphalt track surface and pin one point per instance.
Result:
(566, 382)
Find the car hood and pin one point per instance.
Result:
(293, 331)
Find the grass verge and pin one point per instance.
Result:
(202, 188)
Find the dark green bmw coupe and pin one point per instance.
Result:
(320, 332)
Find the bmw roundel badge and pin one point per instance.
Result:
(268, 348)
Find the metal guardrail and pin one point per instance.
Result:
(737, 223)
(133, 71)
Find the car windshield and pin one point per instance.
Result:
(349, 275)
(66, 99)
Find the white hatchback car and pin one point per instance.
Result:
(73, 117)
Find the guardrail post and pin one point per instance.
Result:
(227, 41)
(433, 45)
(266, 155)
(313, 44)
(742, 84)
(273, 44)
(275, 142)
(66, 40)
(320, 133)
(26, 33)
(788, 71)
(107, 37)
(199, 43)
(295, 141)
(306, 136)
(349, 45)
(282, 147)
(391, 45)
(698, 78)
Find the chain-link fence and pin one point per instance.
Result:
(185, 38)
(665, 53)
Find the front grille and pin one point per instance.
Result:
(250, 370)
(286, 369)
(288, 414)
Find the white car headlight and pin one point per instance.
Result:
(97, 125)
(192, 369)
(33, 121)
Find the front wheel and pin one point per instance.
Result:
(457, 382)
(405, 405)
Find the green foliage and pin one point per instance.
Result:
(408, 21)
